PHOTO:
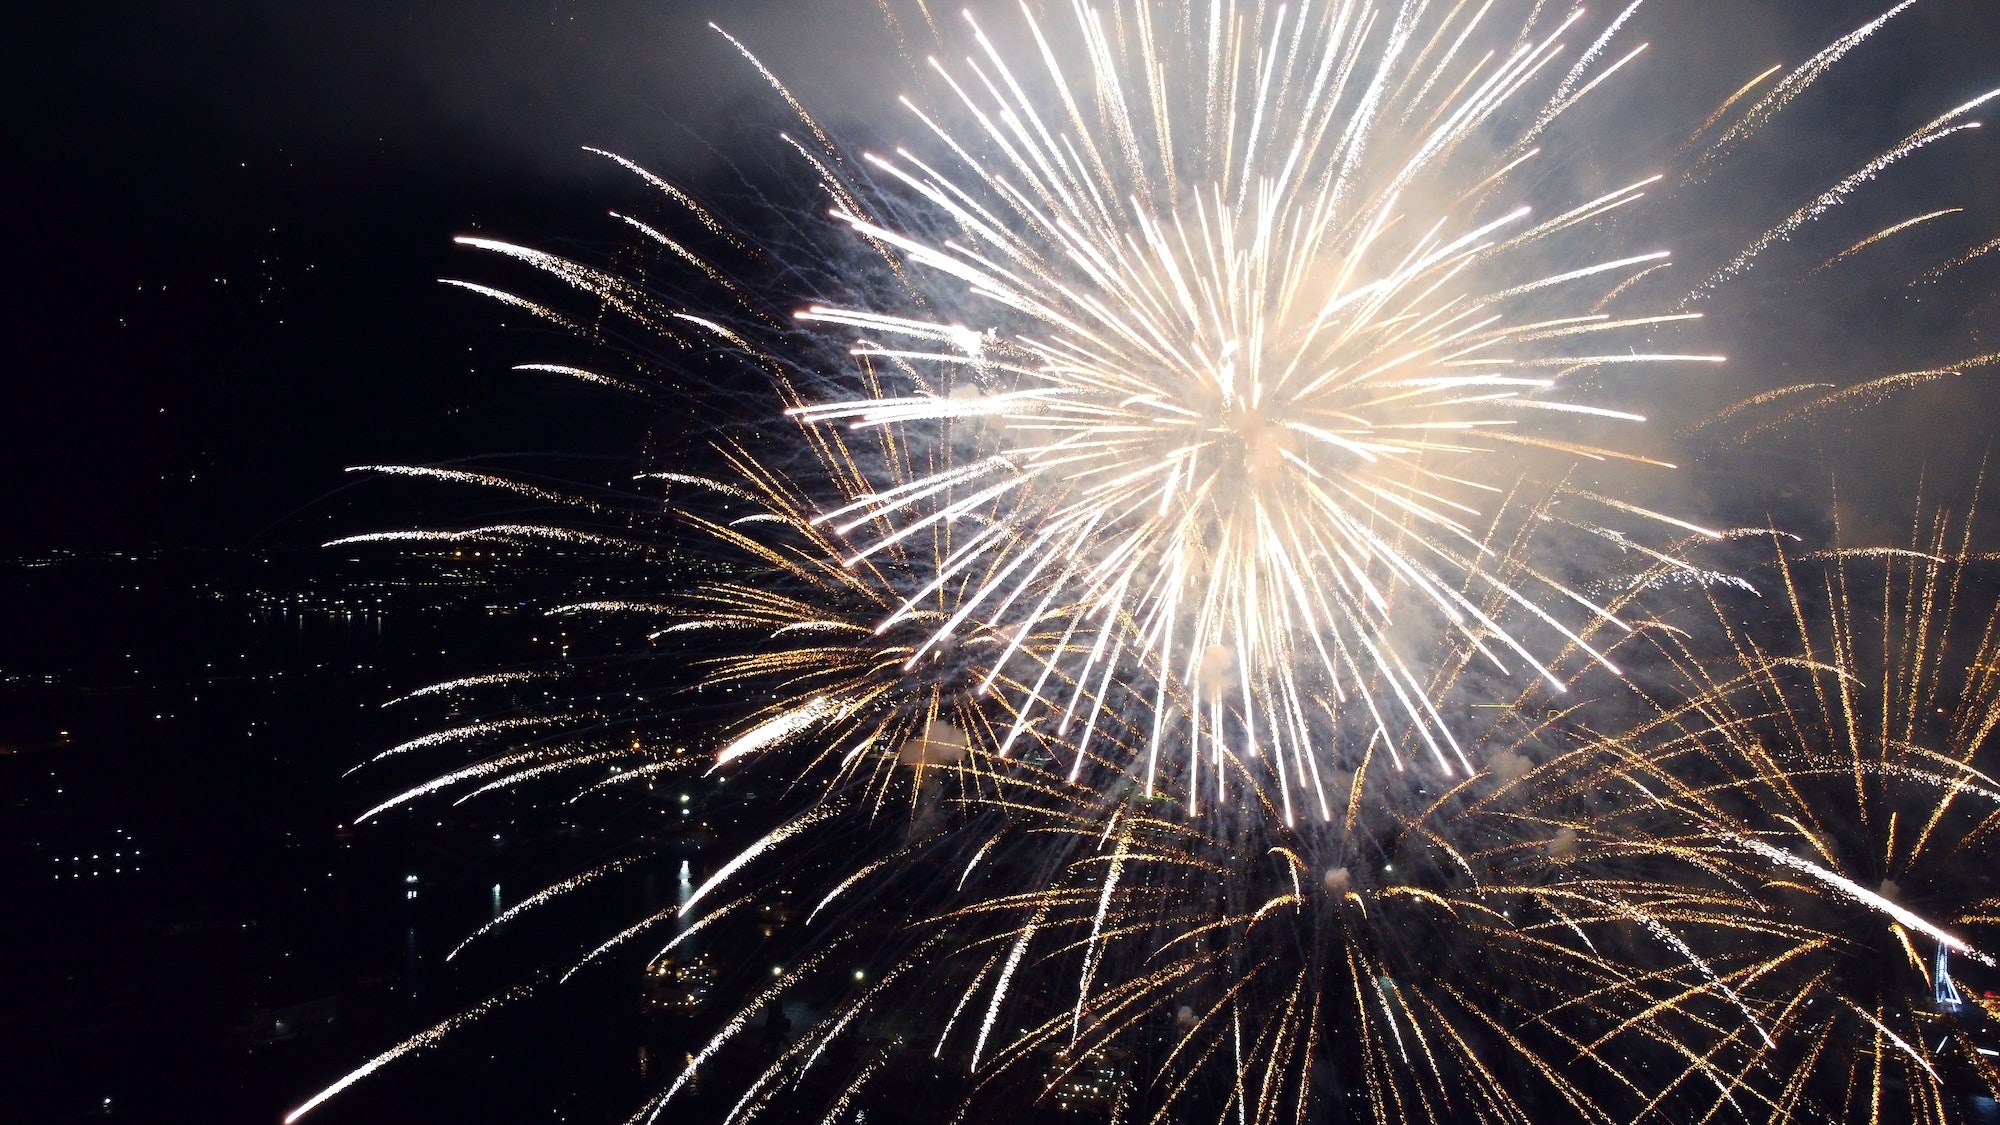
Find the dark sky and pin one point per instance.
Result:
(228, 217)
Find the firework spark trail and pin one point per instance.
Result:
(647, 923)
(1865, 897)
(568, 762)
(539, 898)
(1014, 956)
(861, 1078)
(576, 609)
(499, 533)
(1890, 231)
(1790, 87)
(1722, 110)
(581, 374)
(461, 476)
(1756, 400)
(483, 679)
(470, 773)
(843, 886)
(1871, 392)
(779, 728)
(522, 303)
(743, 858)
(1834, 196)
(651, 1112)
(1096, 931)
(1976, 252)
(465, 733)
(623, 296)
(719, 914)
(423, 1040)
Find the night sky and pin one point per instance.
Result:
(227, 226)
(229, 218)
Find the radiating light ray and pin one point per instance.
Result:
(1834, 196)
(1887, 232)
(1866, 393)
(497, 533)
(423, 1040)
(465, 733)
(461, 476)
(539, 898)
(1965, 258)
(1791, 86)
(1865, 897)
(483, 679)
(744, 857)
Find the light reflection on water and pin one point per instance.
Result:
(683, 891)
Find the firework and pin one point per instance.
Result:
(1265, 333)
(1200, 494)
(1817, 793)
(1204, 340)
(1262, 973)
(1230, 956)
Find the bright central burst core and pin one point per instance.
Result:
(1247, 365)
